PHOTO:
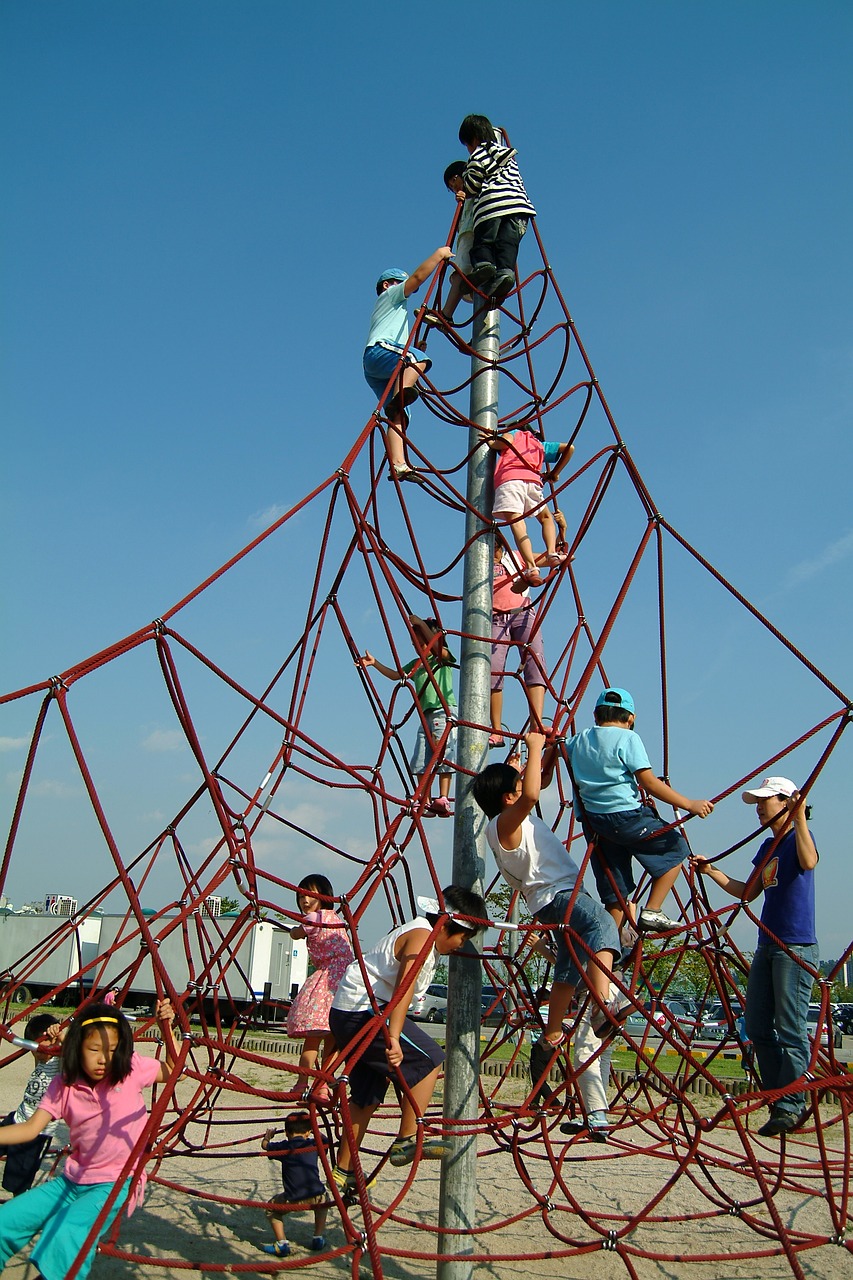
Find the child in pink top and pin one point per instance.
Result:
(98, 1094)
(330, 952)
(518, 493)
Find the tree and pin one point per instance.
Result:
(230, 904)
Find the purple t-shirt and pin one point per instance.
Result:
(788, 910)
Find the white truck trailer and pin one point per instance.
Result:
(227, 958)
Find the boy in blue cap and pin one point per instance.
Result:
(389, 332)
(609, 765)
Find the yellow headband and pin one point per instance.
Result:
(88, 1022)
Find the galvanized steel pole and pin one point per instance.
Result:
(458, 1200)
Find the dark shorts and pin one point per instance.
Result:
(626, 835)
(22, 1161)
(370, 1075)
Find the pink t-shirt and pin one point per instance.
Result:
(105, 1121)
(521, 459)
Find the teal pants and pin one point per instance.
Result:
(63, 1212)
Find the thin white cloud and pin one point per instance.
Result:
(831, 554)
(53, 789)
(263, 519)
(13, 744)
(165, 740)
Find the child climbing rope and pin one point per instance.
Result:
(99, 1096)
(386, 340)
(459, 288)
(403, 962)
(24, 1159)
(330, 952)
(502, 208)
(431, 674)
(518, 493)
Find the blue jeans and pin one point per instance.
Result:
(777, 1002)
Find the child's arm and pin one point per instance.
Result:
(566, 451)
(165, 1015)
(413, 282)
(392, 673)
(655, 787)
(417, 624)
(409, 955)
(511, 818)
(11, 1135)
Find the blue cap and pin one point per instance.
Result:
(393, 273)
(616, 698)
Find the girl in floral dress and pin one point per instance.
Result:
(330, 952)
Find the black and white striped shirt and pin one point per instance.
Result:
(493, 178)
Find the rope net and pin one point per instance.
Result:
(304, 768)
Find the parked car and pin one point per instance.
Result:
(432, 1005)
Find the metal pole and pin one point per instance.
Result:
(458, 1199)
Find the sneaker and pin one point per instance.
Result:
(656, 922)
(496, 740)
(435, 319)
(344, 1180)
(615, 1011)
(556, 558)
(502, 285)
(318, 1244)
(405, 473)
(439, 808)
(280, 1249)
(404, 1150)
(542, 1058)
(481, 275)
(782, 1122)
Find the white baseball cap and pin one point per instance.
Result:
(770, 787)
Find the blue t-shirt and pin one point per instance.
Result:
(604, 760)
(390, 319)
(788, 910)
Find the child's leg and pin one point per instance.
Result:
(549, 530)
(558, 1007)
(536, 701)
(360, 1118)
(661, 887)
(308, 1060)
(415, 1103)
(444, 785)
(277, 1224)
(23, 1217)
(454, 296)
(58, 1247)
(320, 1214)
(522, 541)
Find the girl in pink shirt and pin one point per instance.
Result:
(98, 1094)
(518, 493)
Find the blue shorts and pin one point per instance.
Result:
(381, 360)
(589, 921)
(423, 752)
(370, 1076)
(631, 833)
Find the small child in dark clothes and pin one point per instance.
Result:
(23, 1160)
(300, 1177)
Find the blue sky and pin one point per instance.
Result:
(199, 198)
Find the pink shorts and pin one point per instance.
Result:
(517, 498)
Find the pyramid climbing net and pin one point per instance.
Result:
(283, 760)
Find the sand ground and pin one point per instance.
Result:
(619, 1178)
